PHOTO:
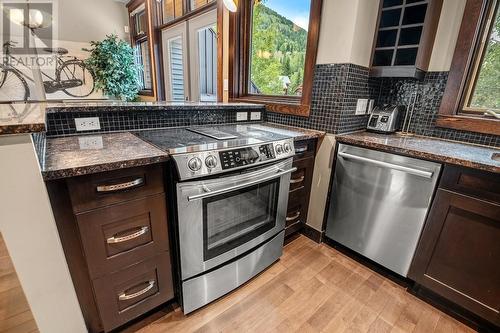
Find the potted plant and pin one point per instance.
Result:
(115, 69)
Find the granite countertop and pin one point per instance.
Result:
(85, 154)
(117, 106)
(452, 152)
(19, 118)
(298, 133)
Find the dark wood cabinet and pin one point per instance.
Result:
(458, 256)
(404, 37)
(114, 232)
(300, 186)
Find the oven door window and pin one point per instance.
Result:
(234, 218)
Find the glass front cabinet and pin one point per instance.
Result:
(404, 37)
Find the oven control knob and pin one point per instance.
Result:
(287, 147)
(194, 164)
(211, 161)
(279, 149)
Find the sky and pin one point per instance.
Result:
(296, 11)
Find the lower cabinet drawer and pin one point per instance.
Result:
(124, 234)
(294, 215)
(129, 293)
(108, 188)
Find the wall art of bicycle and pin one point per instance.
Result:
(57, 73)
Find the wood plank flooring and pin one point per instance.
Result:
(313, 288)
(15, 313)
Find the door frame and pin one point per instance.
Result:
(178, 30)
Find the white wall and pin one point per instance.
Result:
(87, 20)
(347, 31)
(321, 182)
(30, 233)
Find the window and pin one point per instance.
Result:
(471, 100)
(274, 44)
(141, 43)
(278, 47)
(142, 59)
(483, 92)
(171, 10)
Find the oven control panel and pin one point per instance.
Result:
(205, 163)
(245, 156)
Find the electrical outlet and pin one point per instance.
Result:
(361, 106)
(241, 116)
(255, 115)
(126, 29)
(87, 124)
(90, 142)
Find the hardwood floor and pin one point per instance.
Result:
(313, 288)
(15, 313)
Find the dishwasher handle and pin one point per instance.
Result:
(382, 164)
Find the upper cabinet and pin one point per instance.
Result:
(404, 37)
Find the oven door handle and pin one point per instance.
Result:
(210, 193)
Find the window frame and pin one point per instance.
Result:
(146, 36)
(466, 61)
(239, 62)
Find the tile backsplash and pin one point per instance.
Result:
(62, 123)
(336, 87)
(423, 98)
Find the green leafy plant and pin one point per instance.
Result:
(115, 69)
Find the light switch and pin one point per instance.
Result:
(255, 115)
(361, 106)
(241, 116)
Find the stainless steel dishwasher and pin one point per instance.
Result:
(379, 203)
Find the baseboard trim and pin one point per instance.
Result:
(312, 233)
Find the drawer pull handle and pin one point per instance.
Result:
(300, 150)
(140, 232)
(294, 217)
(124, 296)
(296, 189)
(121, 186)
(298, 180)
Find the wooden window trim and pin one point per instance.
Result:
(190, 14)
(239, 51)
(149, 36)
(464, 58)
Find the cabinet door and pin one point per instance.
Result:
(459, 253)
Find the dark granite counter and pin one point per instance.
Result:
(298, 133)
(19, 118)
(116, 106)
(85, 154)
(452, 152)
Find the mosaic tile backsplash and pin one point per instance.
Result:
(422, 99)
(62, 123)
(336, 87)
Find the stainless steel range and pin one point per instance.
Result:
(232, 193)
